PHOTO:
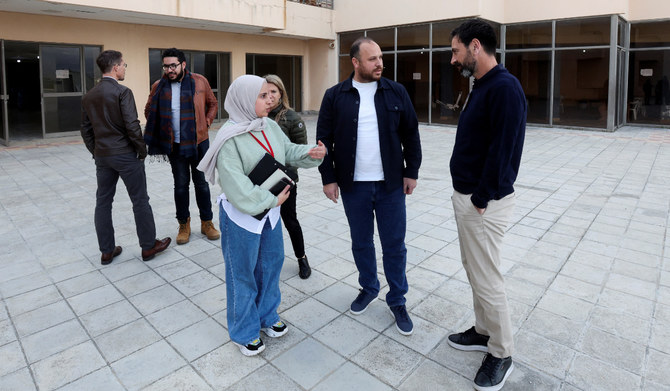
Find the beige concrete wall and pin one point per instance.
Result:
(356, 14)
(308, 21)
(263, 13)
(649, 9)
(135, 40)
(530, 10)
(319, 73)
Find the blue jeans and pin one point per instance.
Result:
(364, 202)
(253, 264)
(182, 171)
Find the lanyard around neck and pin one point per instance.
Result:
(268, 148)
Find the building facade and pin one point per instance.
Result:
(592, 65)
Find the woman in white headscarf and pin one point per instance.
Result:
(253, 250)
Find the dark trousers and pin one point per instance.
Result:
(364, 202)
(183, 169)
(108, 169)
(290, 219)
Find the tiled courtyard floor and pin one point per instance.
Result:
(586, 260)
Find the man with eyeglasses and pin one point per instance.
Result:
(112, 133)
(179, 111)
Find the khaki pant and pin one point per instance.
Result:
(480, 238)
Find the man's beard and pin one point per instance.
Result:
(370, 76)
(178, 77)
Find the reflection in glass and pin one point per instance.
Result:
(155, 64)
(347, 39)
(385, 38)
(62, 114)
(583, 32)
(61, 69)
(345, 67)
(450, 90)
(413, 37)
(528, 35)
(442, 33)
(533, 69)
(650, 34)
(413, 74)
(288, 68)
(93, 74)
(649, 87)
(581, 87)
(224, 82)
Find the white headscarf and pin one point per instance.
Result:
(240, 104)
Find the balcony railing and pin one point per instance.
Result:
(316, 3)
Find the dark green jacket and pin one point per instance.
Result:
(292, 125)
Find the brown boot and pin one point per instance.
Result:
(184, 232)
(207, 229)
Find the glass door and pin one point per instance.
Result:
(4, 126)
(62, 88)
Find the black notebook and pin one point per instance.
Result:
(273, 176)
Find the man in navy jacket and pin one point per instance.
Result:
(369, 126)
(484, 166)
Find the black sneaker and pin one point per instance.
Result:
(252, 348)
(469, 340)
(402, 321)
(492, 374)
(361, 303)
(305, 271)
(276, 330)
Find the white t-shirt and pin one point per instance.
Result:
(368, 165)
(176, 110)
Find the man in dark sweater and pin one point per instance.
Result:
(484, 166)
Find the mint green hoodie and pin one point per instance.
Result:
(239, 155)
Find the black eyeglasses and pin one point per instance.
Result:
(125, 65)
(171, 67)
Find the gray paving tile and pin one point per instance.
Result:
(338, 296)
(442, 312)
(81, 283)
(432, 376)
(110, 317)
(308, 362)
(67, 366)
(147, 365)
(211, 301)
(127, 339)
(183, 379)
(7, 333)
(310, 315)
(18, 381)
(566, 306)
(197, 282)
(70, 270)
(155, 299)
(102, 379)
(25, 283)
(554, 327)
(265, 378)
(616, 351)
(120, 270)
(590, 374)
(139, 283)
(177, 270)
(198, 339)
(29, 301)
(12, 358)
(43, 318)
(351, 377)
(657, 365)
(226, 366)
(53, 340)
(533, 350)
(388, 360)
(94, 299)
(175, 317)
(345, 335)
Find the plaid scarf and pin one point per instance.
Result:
(158, 134)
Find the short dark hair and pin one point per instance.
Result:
(107, 59)
(174, 52)
(356, 46)
(477, 28)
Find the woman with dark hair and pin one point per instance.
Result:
(294, 127)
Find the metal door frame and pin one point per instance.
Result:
(4, 97)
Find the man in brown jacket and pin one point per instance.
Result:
(179, 111)
(112, 133)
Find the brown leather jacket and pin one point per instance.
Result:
(204, 102)
(109, 124)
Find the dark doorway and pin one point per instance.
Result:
(22, 67)
(288, 68)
